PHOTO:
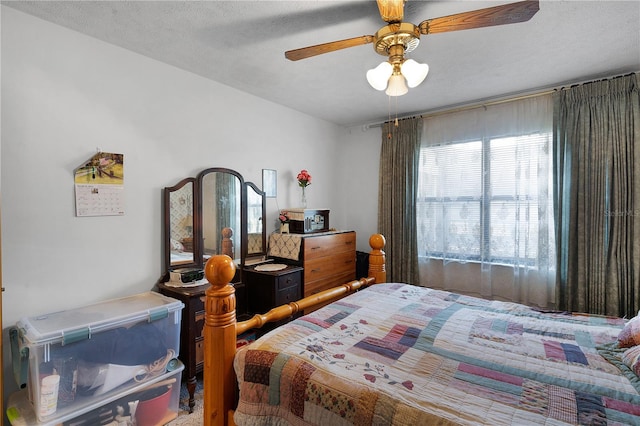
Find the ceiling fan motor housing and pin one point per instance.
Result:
(389, 39)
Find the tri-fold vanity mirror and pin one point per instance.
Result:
(216, 212)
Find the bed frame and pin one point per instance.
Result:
(221, 328)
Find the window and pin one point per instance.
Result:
(487, 200)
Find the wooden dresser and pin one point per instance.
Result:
(328, 259)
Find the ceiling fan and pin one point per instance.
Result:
(398, 37)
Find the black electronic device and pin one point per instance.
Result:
(186, 275)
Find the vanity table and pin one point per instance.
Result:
(217, 212)
(191, 338)
(191, 326)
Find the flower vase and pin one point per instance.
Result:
(303, 198)
(284, 228)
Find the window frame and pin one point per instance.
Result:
(485, 198)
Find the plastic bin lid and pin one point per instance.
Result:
(81, 323)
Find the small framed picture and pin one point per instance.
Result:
(270, 183)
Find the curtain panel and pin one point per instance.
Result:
(597, 196)
(485, 224)
(399, 157)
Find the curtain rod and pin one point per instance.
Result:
(450, 110)
(496, 101)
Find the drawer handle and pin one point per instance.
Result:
(316, 270)
(316, 248)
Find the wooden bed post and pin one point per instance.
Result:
(377, 258)
(219, 342)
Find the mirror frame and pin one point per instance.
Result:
(198, 249)
(243, 228)
(250, 186)
(167, 223)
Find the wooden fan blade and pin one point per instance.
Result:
(391, 10)
(497, 15)
(319, 49)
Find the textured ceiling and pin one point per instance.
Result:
(242, 44)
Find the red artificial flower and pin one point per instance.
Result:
(304, 178)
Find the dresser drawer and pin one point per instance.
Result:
(325, 245)
(269, 289)
(199, 351)
(197, 303)
(325, 267)
(313, 287)
(199, 323)
(287, 295)
(287, 281)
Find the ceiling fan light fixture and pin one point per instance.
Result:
(397, 85)
(378, 76)
(414, 72)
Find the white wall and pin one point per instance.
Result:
(65, 94)
(359, 161)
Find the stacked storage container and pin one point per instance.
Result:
(111, 361)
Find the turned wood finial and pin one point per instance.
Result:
(227, 242)
(377, 258)
(219, 270)
(377, 241)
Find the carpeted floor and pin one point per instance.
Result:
(184, 418)
(196, 418)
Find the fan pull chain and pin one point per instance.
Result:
(389, 134)
(395, 121)
(396, 99)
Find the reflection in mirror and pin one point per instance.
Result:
(179, 212)
(214, 213)
(221, 195)
(256, 244)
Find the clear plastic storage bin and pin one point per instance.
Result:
(152, 403)
(73, 361)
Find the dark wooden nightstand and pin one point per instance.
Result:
(191, 338)
(192, 323)
(268, 289)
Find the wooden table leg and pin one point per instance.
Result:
(191, 387)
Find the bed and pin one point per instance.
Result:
(393, 353)
(178, 254)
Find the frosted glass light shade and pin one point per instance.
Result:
(414, 72)
(378, 76)
(397, 85)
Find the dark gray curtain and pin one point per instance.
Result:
(399, 162)
(597, 196)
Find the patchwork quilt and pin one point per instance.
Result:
(406, 355)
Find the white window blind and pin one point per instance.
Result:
(487, 198)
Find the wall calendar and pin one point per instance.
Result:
(99, 186)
